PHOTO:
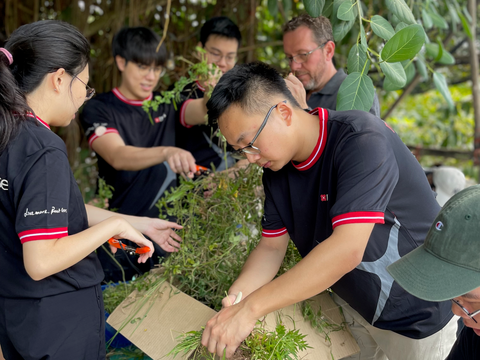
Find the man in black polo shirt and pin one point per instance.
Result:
(309, 47)
(220, 38)
(447, 266)
(352, 198)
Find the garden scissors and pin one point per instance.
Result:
(130, 250)
(201, 170)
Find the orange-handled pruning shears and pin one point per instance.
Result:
(201, 170)
(129, 249)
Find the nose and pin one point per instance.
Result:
(294, 65)
(252, 158)
(150, 75)
(222, 63)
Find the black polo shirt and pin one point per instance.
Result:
(467, 346)
(39, 200)
(360, 172)
(201, 140)
(136, 192)
(327, 97)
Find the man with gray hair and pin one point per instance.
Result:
(309, 48)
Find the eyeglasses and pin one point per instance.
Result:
(217, 57)
(90, 90)
(250, 149)
(144, 70)
(301, 58)
(469, 314)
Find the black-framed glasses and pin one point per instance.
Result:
(217, 57)
(144, 70)
(90, 90)
(301, 58)
(469, 314)
(250, 149)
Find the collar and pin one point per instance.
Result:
(322, 139)
(331, 87)
(40, 120)
(122, 98)
(200, 86)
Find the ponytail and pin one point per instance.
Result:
(13, 105)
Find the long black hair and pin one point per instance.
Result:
(38, 49)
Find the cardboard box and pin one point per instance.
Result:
(171, 313)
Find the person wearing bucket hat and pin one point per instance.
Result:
(447, 267)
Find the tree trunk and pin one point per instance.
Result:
(472, 7)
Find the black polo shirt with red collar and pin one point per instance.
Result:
(360, 172)
(201, 140)
(135, 192)
(40, 200)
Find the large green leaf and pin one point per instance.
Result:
(327, 8)
(341, 29)
(401, 25)
(357, 60)
(314, 7)
(287, 5)
(389, 86)
(427, 20)
(345, 11)
(439, 54)
(382, 27)
(401, 10)
(356, 92)
(405, 44)
(410, 71)
(441, 85)
(273, 7)
(438, 21)
(395, 73)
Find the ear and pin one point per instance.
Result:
(57, 79)
(121, 63)
(329, 50)
(286, 112)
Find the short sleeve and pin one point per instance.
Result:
(44, 192)
(367, 173)
(97, 120)
(272, 225)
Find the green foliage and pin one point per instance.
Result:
(356, 92)
(314, 7)
(404, 45)
(261, 344)
(320, 322)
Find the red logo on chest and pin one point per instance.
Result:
(324, 197)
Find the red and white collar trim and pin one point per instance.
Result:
(121, 97)
(200, 86)
(40, 120)
(320, 146)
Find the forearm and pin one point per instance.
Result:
(132, 158)
(195, 112)
(43, 258)
(260, 268)
(97, 215)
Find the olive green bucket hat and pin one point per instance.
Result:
(447, 265)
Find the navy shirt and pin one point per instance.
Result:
(467, 346)
(135, 192)
(201, 140)
(360, 172)
(39, 200)
(327, 97)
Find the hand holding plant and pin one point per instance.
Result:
(162, 233)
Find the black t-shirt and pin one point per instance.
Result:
(135, 192)
(360, 172)
(327, 97)
(467, 346)
(39, 200)
(200, 140)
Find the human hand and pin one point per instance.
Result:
(298, 91)
(180, 161)
(161, 232)
(227, 329)
(128, 232)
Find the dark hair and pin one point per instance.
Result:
(221, 26)
(38, 49)
(320, 26)
(251, 86)
(139, 45)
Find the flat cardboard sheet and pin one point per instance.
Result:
(173, 313)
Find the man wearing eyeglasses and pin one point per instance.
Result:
(353, 199)
(220, 37)
(447, 267)
(309, 48)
